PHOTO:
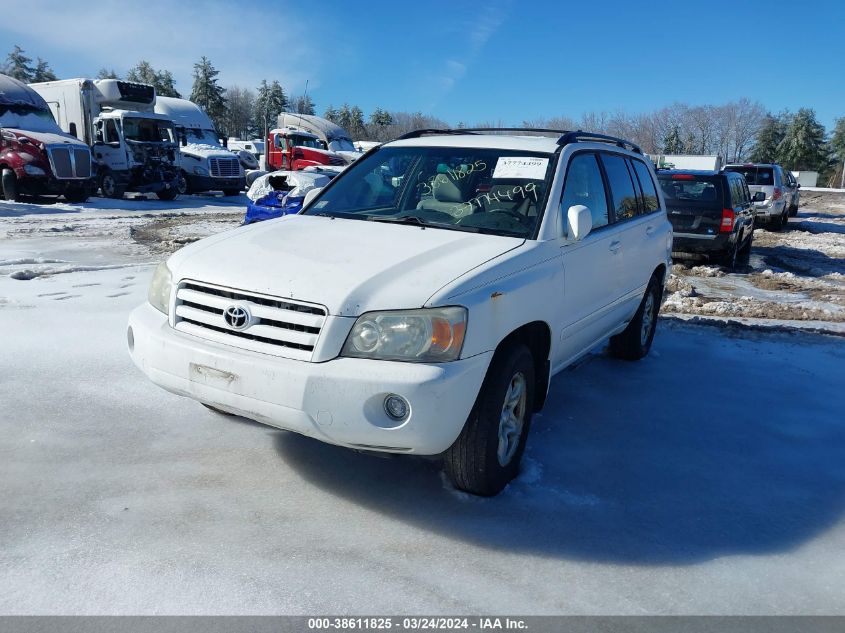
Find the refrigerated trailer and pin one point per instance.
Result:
(134, 148)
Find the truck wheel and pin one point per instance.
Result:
(109, 187)
(182, 186)
(10, 186)
(76, 195)
(486, 455)
(167, 194)
(635, 340)
(231, 192)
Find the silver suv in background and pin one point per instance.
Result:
(792, 193)
(770, 178)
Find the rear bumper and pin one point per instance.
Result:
(339, 401)
(702, 244)
(769, 208)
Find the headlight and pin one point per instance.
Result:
(159, 292)
(200, 171)
(33, 170)
(423, 336)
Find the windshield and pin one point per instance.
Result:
(147, 130)
(28, 118)
(466, 189)
(341, 145)
(755, 175)
(298, 140)
(202, 137)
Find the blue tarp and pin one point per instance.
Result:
(273, 205)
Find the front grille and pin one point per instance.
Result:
(82, 161)
(281, 327)
(225, 167)
(70, 161)
(61, 163)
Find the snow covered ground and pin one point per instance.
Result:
(708, 478)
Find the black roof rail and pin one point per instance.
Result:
(580, 135)
(514, 129)
(428, 132)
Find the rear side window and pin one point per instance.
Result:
(584, 185)
(621, 187)
(650, 202)
(761, 176)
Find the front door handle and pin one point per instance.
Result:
(615, 246)
(649, 231)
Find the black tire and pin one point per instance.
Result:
(182, 184)
(167, 194)
(231, 192)
(77, 195)
(731, 256)
(10, 186)
(109, 187)
(474, 463)
(745, 251)
(793, 211)
(635, 341)
(776, 223)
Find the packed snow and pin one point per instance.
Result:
(707, 478)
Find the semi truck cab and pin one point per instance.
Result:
(292, 149)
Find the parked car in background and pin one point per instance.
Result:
(254, 147)
(36, 156)
(770, 178)
(422, 301)
(793, 193)
(712, 214)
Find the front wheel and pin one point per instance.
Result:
(109, 187)
(486, 455)
(10, 186)
(167, 194)
(635, 340)
(182, 185)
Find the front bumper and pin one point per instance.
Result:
(339, 401)
(51, 186)
(208, 183)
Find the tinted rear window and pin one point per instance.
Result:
(683, 189)
(755, 175)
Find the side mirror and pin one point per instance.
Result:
(759, 196)
(580, 221)
(309, 197)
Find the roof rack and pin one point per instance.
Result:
(567, 136)
(580, 135)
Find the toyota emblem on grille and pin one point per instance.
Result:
(236, 317)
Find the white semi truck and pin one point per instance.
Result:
(204, 164)
(134, 149)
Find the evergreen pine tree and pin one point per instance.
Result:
(332, 114)
(344, 117)
(672, 142)
(207, 94)
(769, 138)
(356, 128)
(303, 105)
(380, 118)
(18, 65)
(105, 73)
(43, 72)
(803, 145)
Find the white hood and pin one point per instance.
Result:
(349, 266)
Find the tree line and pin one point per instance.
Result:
(738, 130)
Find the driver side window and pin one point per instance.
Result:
(584, 185)
(111, 132)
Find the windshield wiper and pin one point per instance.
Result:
(405, 219)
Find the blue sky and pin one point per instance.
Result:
(468, 61)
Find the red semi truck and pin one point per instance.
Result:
(36, 157)
(291, 148)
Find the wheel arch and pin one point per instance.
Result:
(537, 336)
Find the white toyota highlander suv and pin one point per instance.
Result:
(423, 300)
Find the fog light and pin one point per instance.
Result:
(396, 407)
(130, 339)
